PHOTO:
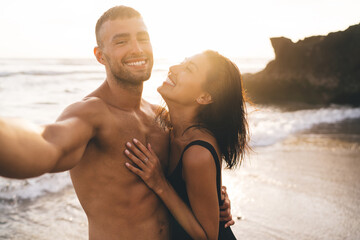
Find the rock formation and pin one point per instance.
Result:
(316, 70)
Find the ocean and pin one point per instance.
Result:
(270, 194)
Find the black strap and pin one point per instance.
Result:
(212, 150)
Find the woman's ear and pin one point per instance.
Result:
(204, 99)
(98, 54)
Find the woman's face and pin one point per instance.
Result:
(184, 82)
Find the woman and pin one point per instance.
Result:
(207, 118)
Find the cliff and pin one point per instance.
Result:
(316, 70)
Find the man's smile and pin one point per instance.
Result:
(137, 63)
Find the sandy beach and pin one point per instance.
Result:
(306, 187)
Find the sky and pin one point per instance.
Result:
(178, 28)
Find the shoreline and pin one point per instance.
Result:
(306, 186)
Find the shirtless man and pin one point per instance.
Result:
(89, 137)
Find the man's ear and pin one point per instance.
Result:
(99, 55)
(205, 98)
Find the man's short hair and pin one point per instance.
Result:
(117, 12)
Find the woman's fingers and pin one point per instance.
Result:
(150, 149)
(142, 148)
(134, 170)
(139, 154)
(135, 159)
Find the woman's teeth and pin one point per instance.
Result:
(168, 80)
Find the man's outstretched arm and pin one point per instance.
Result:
(27, 150)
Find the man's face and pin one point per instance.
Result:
(127, 50)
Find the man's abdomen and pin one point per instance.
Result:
(117, 203)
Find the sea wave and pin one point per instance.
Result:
(269, 126)
(47, 73)
(11, 189)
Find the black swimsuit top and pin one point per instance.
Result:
(176, 180)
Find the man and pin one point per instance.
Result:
(89, 137)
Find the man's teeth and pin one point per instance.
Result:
(168, 80)
(138, 63)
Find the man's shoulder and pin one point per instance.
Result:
(90, 105)
(94, 102)
(87, 108)
(155, 108)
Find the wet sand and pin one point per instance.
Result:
(52, 216)
(307, 187)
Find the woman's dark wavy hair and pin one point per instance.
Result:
(226, 116)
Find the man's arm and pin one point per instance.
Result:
(27, 150)
(225, 209)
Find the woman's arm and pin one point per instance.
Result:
(199, 174)
(200, 222)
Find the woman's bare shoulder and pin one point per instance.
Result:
(197, 156)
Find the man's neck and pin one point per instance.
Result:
(123, 96)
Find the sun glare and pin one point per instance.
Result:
(177, 28)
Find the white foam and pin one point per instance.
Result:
(33, 187)
(269, 126)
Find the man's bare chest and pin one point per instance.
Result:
(114, 135)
